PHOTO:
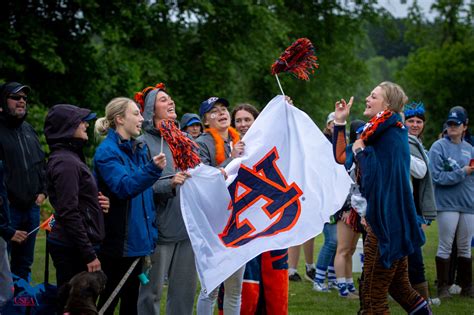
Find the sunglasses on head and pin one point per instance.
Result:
(17, 97)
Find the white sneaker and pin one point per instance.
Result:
(434, 301)
(454, 289)
(320, 287)
(332, 285)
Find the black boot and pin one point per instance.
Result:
(465, 276)
(442, 273)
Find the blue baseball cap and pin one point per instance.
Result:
(210, 102)
(457, 116)
(90, 116)
(192, 121)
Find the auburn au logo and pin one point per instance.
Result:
(265, 184)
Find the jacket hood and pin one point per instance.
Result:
(149, 110)
(62, 121)
(189, 119)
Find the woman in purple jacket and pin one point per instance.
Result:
(73, 193)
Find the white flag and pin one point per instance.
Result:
(280, 193)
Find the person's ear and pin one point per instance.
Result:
(119, 120)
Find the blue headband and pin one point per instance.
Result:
(414, 109)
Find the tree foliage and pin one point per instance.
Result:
(440, 72)
(86, 52)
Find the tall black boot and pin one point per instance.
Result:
(442, 273)
(465, 276)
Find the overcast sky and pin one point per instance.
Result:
(400, 10)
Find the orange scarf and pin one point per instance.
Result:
(220, 146)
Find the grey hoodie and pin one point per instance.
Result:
(425, 192)
(169, 220)
(454, 189)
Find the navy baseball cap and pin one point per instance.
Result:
(457, 116)
(210, 102)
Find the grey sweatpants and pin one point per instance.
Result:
(6, 282)
(457, 224)
(176, 260)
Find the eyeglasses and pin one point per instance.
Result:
(453, 124)
(17, 97)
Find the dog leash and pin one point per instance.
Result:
(119, 286)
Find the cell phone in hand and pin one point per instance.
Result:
(471, 163)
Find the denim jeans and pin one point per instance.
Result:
(22, 254)
(328, 251)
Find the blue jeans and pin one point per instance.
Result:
(328, 251)
(22, 254)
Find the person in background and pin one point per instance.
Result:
(451, 168)
(383, 161)
(348, 220)
(329, 129)
(173, 256)
(79, 223)
(191, 124)
(125, 174)
(265, 284)
(218, 145)
(453, 281)
(25, 176)
(325, 262)
(7, 233)
(242, 117)
(423, 193)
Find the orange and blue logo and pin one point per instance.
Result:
(263, 182)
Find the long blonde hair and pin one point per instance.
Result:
(116, 107)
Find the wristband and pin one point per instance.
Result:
(358, 150)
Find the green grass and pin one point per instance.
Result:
(303, 300)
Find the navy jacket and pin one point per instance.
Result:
(6, 230)
(125, 174)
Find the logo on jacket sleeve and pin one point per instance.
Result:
(262, 203)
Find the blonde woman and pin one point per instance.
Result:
(383, 161)
(125, 174)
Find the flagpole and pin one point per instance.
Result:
(34, 230)
(278, 81)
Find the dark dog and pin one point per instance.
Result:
(80, 294)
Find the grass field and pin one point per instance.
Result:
(303, 300)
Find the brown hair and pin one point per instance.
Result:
(246, 107)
